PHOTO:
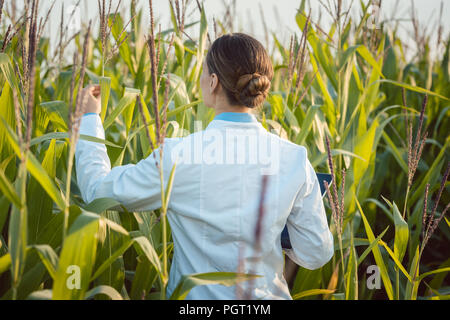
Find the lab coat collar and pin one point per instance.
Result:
(234, 119)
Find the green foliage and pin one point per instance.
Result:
(352, 93)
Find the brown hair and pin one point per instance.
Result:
(243, 67)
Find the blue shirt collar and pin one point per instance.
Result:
(236, 117)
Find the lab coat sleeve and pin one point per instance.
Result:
(135, 186)
(311, 239)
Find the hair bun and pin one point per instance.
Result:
(252, 89)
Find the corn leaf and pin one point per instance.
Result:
(65, 135)
(312, 292)
(57, 112)
(187, 282)
(18, 231)
(35, 168)
(377, 255)
(307, 124)
(413, 286)
(8, 190)
(144, 247)
(45, 294)
(5, 263)
(48, 258)
(393, 256)
(117, 253)
(106, 290)
(411, 87)
(401, 233)
(128, 98)
(370, 247)
(105, 87)
(101, 204)
(77, 258)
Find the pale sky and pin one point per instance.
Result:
(278, 14)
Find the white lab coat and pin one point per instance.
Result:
(214, 203)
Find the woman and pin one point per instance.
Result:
(213, 209)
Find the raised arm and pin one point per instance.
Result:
(311, 239)
(136, 186)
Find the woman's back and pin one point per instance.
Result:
(215, 199)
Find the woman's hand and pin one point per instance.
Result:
(91, 95)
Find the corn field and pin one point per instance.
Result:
(373, 119)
